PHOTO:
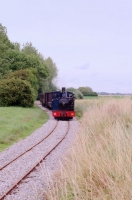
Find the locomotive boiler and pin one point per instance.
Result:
(60, 102)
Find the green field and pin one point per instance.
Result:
(90, 97)
(16, 123)
(106, 96)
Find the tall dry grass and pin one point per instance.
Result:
(99, 166)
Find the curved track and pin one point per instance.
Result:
(17, 168)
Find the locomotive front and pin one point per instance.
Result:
(63, 105)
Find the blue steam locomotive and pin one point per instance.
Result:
(60, 102)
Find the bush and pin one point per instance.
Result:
(29, 75)
(16, 92)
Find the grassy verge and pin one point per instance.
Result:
(16, 123)
(82, 105)
(100, 164)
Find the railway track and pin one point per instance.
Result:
(13, 172)
(28, 149)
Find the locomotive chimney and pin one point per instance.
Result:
(64, 91)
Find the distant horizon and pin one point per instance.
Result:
(99, 92)
(113, 92)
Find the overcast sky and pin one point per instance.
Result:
(89, 40)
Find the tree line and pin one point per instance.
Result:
(24, 72)
(82, 91)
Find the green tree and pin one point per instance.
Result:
(46, 83)
(87, 91)
(21, 60)
(17, 46)
(5, 47)
(29, 49)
